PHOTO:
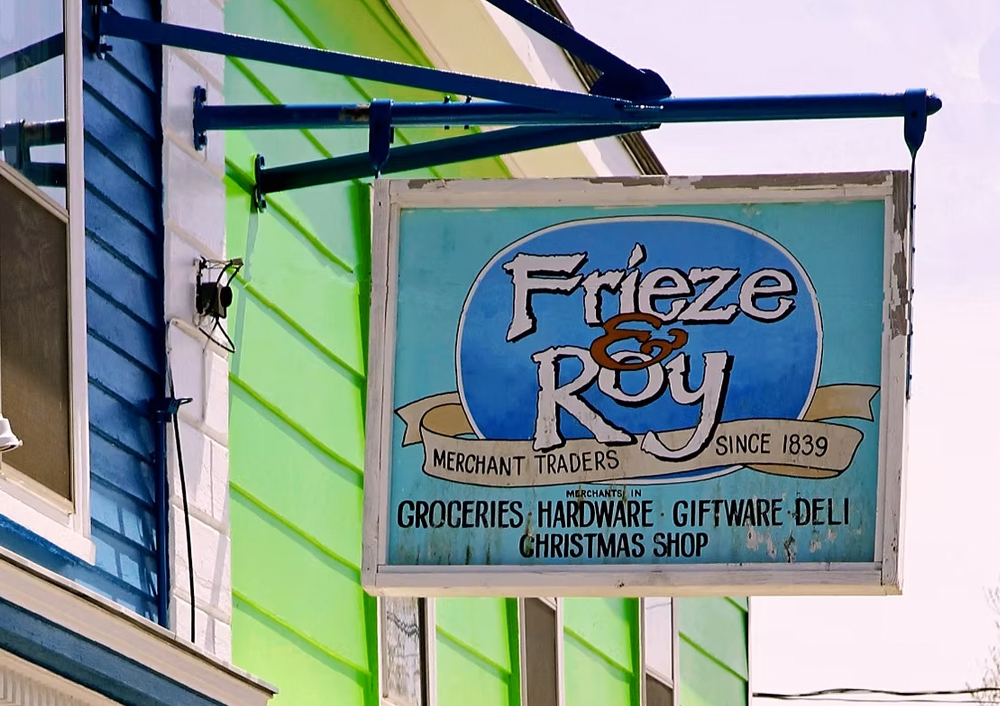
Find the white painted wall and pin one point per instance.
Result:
(194, 214)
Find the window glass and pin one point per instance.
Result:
(658, 693)
(403, 659)
(659, 638)
(540, 668)
(34, 337)
(32, 92)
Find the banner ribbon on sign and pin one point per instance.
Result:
(803, 448)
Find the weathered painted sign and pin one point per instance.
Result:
(642, 385)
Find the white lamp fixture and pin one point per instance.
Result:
(8, 442)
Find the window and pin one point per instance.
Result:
(659, 651)
(406, 667)
(44, 485)
(541, 651)
(34, 338)
(32, 93)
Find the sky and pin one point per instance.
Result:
(938, 633)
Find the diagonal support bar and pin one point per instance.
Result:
(428, 154)
(913, 106)
(565, 36)
(620, 80)
(32, 55)
(16, 141)
(111, 23)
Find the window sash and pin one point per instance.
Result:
(28, 503)
(34, 337)
(423, 615)
(556, 606)
(34, 130)
(646, 672)
(659, 698)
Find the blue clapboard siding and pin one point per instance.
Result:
(124, 218)
(125, 329)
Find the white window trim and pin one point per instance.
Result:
(674, 656)
(430, 652)
(429, 677)
(557, 605)
(749, 652)
(23, 500)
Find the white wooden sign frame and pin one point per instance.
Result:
(882, 576)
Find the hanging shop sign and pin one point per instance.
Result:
(637, 386)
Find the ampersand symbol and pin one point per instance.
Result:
(613, 334)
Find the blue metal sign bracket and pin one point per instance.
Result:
(624, 99)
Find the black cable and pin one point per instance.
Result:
(879, 692)
(844, 700)
(229, 346)
(233, 267)
(184, 496)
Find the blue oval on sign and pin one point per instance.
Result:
(601, 317)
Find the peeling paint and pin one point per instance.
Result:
(791, 551)
(789, 180)
(815, 543)
(900, 202)
(417, 184)
(899, 307)
(772, 551)
(901, 264)
(630, 181)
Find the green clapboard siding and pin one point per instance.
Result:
(300, 618)
(605, 625)
(309, 674)
(714, 664)
(600, 650)
(476, 651)
(464, 679)
(593, 681)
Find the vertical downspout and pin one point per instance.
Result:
(162, 410)
(162, 501)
